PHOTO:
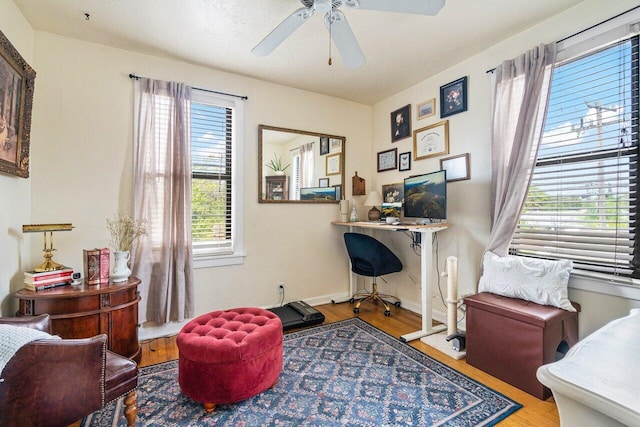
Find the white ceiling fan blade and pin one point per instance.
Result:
(344, 39)
(419, 7)
(282, 31)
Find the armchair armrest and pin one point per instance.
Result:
(53, 382)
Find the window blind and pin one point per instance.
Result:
(582, 200)
(211, 159)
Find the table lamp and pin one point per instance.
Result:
(373, 199)
(48, 264)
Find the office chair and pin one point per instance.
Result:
(371, 258)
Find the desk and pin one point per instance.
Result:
(426, 265)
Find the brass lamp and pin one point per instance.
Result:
(48, 264)
(373, 199)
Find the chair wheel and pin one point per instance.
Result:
(397, 304)
(352, 300)
(387, 313)
(356, 310)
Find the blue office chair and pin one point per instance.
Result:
(371, 258)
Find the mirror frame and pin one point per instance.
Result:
(300, 132)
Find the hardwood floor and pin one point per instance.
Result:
(534, 412)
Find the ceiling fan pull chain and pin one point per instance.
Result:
(330, 26)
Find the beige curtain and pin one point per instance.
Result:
(162, 189)
(520, 94)
(306, 166)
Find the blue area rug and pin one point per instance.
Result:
(342, 374)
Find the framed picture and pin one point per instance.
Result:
(335, 145)
(323, 182)
(457, 167)
(431, 140)
(333, 165)
(318, 194)
(453, 97)
(387, 160)
(324, 145)
(16, 101)
(404, 161)
(426, 109)
(338, 191)
(401, 123)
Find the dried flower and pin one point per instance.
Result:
(124, 231)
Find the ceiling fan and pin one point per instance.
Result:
(339, 29)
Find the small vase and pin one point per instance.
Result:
(121, 271)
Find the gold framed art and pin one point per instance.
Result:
(431, 141)
(426, 109)
(17, 81)
(333, 164)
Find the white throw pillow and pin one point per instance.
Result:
(536, 280)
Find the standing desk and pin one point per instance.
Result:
(426, 265)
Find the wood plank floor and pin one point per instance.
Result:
(535, 412)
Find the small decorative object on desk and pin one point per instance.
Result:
(354, 213)
(124, 232)
(105, 263)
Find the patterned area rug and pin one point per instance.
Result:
(342, 374)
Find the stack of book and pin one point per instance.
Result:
(37, 281)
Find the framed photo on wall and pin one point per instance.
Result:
(453, 97)
(333, 165)
(401, 123)
(387, 160)
(404, 161)
(457, 167)
(431, 140)
(324, 145)
(16, 101)
(323, 182)
(426, 109)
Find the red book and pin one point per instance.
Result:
(105, 263)
(34, 276)
(60, 278)
(91, 261)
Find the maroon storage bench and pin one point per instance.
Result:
(511, 338)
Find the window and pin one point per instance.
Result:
(216, 189)
(582, 201)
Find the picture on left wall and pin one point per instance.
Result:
(17, 81)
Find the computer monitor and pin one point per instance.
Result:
(425, 197)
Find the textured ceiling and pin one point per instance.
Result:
(401, 50)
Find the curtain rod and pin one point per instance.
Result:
(585, 30)
(134, 76)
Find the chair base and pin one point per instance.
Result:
(374, 296)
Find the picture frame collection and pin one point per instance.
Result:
(431, 140)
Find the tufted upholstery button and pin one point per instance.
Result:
(228, 356)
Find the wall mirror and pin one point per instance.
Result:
(296, 166)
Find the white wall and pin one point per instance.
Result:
(15, 197)
(470, 132)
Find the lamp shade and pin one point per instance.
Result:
(373, 199)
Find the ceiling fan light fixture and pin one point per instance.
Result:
(322, 6)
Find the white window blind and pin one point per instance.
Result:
(211, 157)
(582, 201)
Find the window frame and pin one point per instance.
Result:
(584, 43)
(210, 254)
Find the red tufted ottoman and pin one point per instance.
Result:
(229, 356)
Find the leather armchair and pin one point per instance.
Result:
(55, 382)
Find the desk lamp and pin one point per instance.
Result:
(48, 264)
(373, 199)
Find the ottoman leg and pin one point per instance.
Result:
(209, 407)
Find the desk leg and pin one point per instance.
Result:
(426, 264)
(351, 281)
